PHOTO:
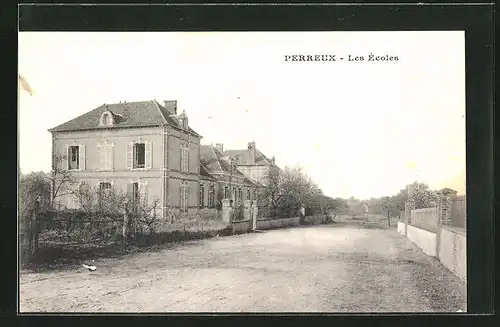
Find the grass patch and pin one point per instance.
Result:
(60, 256)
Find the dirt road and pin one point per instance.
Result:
(328, 268)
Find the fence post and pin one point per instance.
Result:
(388, 219)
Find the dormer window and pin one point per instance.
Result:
(107, 119)
(183, 120)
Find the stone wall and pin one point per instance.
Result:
(277, 223)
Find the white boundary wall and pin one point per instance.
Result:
(423, 239)
(401, 228)
(453, 251)
(450, 246)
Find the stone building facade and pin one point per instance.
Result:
(145, 148)
(149, 150)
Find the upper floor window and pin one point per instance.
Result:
(226, 192)
(184, 158)
(240, 196)
(248, 194)
(105, 158)
(139, 155)
(76, 157)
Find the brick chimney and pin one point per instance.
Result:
(219, 147)
(171, 106)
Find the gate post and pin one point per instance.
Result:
(125, 223)
(226, 211)
(254, 211)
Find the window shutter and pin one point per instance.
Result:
(99, 151)
(181, 197)
(130, 154)
(148, 155)
(129, 190)
(181, 167)
(65, 161)
(143, 191)
(82, 156)
(107, 155)
(112, 156)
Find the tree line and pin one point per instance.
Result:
(289, 189)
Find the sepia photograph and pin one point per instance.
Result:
(249, 172)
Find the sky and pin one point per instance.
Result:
(358, 128)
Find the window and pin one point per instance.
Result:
(105, 157)
(184, 159)
(226, 192)
(139, 155)
(105, 186)
(106, 119)
(234, 195)
(255, 194)
(240, 196)
(74, 157)
(104, 189)
(248, 195)
(184, 197)
(211, 196)
(202, 196)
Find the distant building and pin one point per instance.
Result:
(251, 162)
(227, 181)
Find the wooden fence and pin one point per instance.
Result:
(426, 219)
(459, 211)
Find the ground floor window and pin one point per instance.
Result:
(184, 197)
(202, 196)
(211, 196)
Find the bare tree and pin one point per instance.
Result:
(62, 180)
(271, 195)
(148, 216)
